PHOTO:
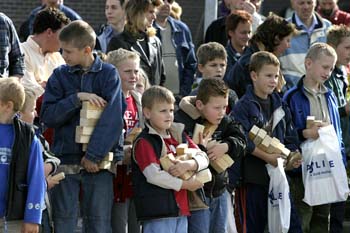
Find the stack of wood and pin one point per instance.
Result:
(272, 145)
(207, 130)
(89, 116)
(184, 153)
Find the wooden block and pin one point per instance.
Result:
(85, 130)
(81, 138)
(105, 165)
(132, 135)
(285, 152)
(166, 161)
(265, 143)
(59, 176)
(88, 122)
(86, 105)
(274, 147)
(90, 114)
(181, 149)
(259, 137)
(204, 176)
(209, 129)
(198, 128)
(222, 163)
(292, 158)
(253, 132)
(310, 121)
(84, 146)
(108, 157)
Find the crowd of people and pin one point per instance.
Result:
(143, 70)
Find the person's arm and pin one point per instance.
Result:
(235, 138)
(36, 185)
(110, 125)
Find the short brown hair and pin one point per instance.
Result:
(116, 57)
(210, 51)
(211, 87)
(262, 58)
(78, 33)
(320, 49)
(234, 19)
(156, 94)
(336, 34)
(12, 90)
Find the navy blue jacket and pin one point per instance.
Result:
(249, 113)
(300, 108)
(61, 110)
(185, 54)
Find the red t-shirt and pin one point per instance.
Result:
(131, 117)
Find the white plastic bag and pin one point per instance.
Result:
(279, 200)
(324, 174)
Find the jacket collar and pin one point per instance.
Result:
(95, 67)
(319, 22)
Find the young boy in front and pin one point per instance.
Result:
(160, 196)
(22, 178)
(84, 78)
(209, 107)
(312, 98)
(338, 36)
(262, 106)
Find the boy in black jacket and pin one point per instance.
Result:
(209, 106)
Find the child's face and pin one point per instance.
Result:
(29, 113)
(213, 69)
(320, 69)
(140, 85)
(214, 110)
(73, 56)
(265, 81)
(343, 52)
(128, 71)
(161, 116)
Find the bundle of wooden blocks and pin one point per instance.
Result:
(272, 145)
(219, 164)
(184, 153)
(311, 121)
(132, 136)
(89, 115)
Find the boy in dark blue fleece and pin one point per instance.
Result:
(84, 78)
(262, 106)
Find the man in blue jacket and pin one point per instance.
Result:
(178, 51)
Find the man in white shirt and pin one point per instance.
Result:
(41, 54)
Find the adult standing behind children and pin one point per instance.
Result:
(84, 78)
(310, 97)
(274, 36)
(11, 57)
(22, 177)
(139, 36)
(178, 51)
(209, 107)
(115, 14)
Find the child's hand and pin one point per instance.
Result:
(192, 184)
(30, 228)
(217, 151)
(312, 132)
(51, 182)
(179, 168)
(203, 140)
(89, 165)
(127, 155)
(92, 98)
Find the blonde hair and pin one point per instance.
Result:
(318, 50)
(156, 94)
(12, 90)
(144, 77)
(336, 34)
(176, 10)
(116, 57)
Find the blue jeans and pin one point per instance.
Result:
(166, 225)
(96, 203)
(213, 220)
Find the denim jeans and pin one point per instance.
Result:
(96, 202)
(166, 225)
(213, 220)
